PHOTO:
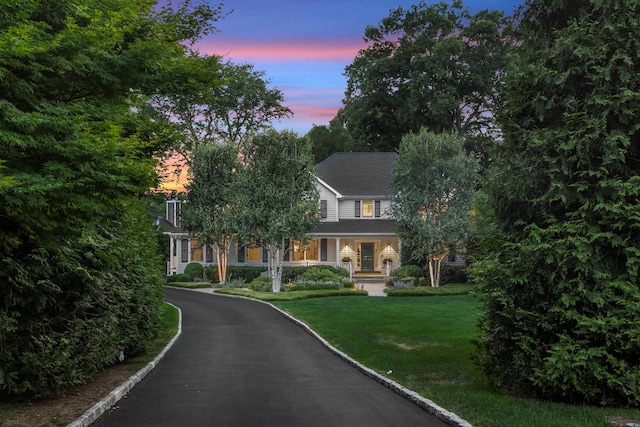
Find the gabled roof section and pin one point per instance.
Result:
(330, 188)
(358, 174)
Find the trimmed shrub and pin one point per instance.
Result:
(194, 270)
(261, 284)
(179, 278)
(246, 273)
(408, 271)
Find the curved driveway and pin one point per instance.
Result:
(241, 363)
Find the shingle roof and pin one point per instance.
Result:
(358, 174)
(357, 226)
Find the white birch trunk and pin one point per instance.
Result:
(275, 266)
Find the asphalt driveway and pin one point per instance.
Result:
(241, 363)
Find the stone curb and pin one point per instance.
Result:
(103, 405)
(429, 406)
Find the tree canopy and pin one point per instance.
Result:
(435, 66)
(563, 279)
(434, 181)
(278, 195)
(211, 210)
(79, 276)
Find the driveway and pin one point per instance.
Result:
(242, 363)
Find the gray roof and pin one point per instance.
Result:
(357, 227)
(358, 174)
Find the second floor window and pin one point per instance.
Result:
(367, 208)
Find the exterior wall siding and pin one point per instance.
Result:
(332, 208)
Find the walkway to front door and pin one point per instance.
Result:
(367, 256)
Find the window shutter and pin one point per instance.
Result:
(209, 253)
(323, 249)
(240, 253)
(184, 250)
(323, 208)
(357, 213)
(377, 208)
(265, 255)
(287, 251)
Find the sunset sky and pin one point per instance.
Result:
(304, 46)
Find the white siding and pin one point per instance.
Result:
(331, 199)
(348, 209)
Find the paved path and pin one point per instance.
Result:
(241, 363)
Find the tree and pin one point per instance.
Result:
(434, 66)
(77, 262)
(433, 183)
(211, 101)
(563, 282)
(326, 140)
(209, 212)
(279, 198)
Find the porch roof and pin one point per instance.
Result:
(350, 227)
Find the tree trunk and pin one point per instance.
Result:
(222, 257)
(275, 267)
(434, 270)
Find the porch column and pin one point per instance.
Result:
(338, 252)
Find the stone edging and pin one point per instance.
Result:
(103, 405)
(428, 405)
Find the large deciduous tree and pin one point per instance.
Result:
(434, 66)
(563, 287)
(77, 265)
(210, 211)
(212, 101)
(433, 184)
(278, 195)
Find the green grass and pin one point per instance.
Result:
(292, 295)
(427, 343)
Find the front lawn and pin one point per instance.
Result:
(426, 343)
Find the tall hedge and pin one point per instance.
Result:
(563, 287)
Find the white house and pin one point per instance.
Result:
(356, 230)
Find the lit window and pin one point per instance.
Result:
(196, 251)
(367, 208)
(303, 252)
(254, 254)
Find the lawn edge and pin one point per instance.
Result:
(93, 413)
(426, 404)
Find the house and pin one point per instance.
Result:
(356, 230)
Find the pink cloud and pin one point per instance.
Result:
(281, 50)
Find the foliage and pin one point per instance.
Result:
(236, 272)
(291, 274)
(261, 284)
(194, 270)
(69, 311)
(562, 290)
(326, 140)
(294, 295)
(433, 184)
(320, 274)
(428, 291)
(453, 274)
(210, 211)
(78, 267)
(211, 101)
(408, 271)
(184, 277)
(277, 194)
(434, 66)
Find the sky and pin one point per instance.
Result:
(303, 46)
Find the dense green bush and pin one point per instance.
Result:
(408, 271)
(68, 311)
(246, 273)
(194, 270)
(291, 274)
(261, 284)
(453, 274)
(179, 278)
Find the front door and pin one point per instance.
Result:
(367, 256)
